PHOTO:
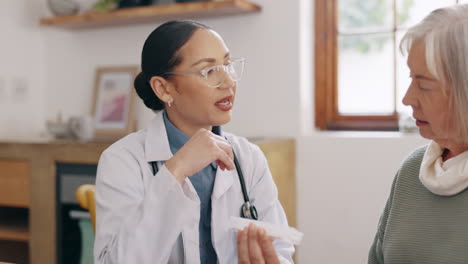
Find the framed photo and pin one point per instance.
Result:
(114, 102)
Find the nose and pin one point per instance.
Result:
(228, 81)
(410, 98)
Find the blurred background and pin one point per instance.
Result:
(342, 174)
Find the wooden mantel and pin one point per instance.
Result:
(42, 157)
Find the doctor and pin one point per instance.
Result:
(165, 194)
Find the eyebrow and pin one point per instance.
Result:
(210, 60)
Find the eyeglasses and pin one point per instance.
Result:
(216, 75)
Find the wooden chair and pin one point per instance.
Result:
(86, 199)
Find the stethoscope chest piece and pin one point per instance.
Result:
(249, 211)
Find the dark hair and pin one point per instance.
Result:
(159, 56)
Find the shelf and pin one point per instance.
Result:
(14, 232)
(153, 13)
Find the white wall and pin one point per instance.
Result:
(22, 94)
(343, 179)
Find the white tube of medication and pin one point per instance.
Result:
(286, 233)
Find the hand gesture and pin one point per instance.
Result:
(203, 148)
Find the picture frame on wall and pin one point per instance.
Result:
(114, 101)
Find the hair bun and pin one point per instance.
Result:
(146, 93)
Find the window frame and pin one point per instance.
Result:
(327, 116)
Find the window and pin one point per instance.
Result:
(360, 75)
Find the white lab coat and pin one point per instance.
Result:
(143, 219)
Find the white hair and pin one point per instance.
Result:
(444, 33)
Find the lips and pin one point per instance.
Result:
(420, 122)
(225, 104)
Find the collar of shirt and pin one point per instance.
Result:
(177, 138)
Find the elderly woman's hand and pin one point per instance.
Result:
(254, 246)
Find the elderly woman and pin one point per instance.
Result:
(426, 216)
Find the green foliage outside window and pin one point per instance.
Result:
(359, 14)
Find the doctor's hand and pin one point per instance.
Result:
(201, 149)
(254, 246)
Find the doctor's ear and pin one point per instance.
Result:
(160, 88)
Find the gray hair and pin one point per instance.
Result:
(444, 32)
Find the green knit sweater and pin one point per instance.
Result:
(418, 226)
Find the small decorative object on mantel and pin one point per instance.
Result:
(114, 102)
(77, 127)
(59, 129)
(82, 127)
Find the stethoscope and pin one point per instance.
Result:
(248, 210)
